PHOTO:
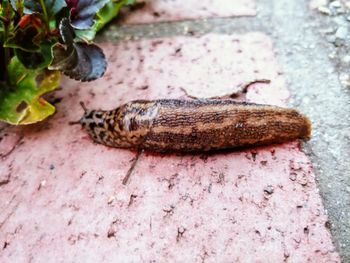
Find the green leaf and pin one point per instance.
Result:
(2, 32)
(130, 2)
(17, 5)
(6, 10)
(25, 39)
(107, 13)
(86, 35)
(22, 102)
(52, 7)
(36, 60)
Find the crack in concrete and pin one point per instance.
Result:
(18, 143)
(13, 210)
(5, 181)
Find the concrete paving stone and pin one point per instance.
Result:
(164, 10)
(64, 199)
(301, 47)
(201, 67)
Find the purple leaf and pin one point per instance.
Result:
(84, 11)
(92, 63)
(79, 61)
(52, 6)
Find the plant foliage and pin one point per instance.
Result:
(41, 38)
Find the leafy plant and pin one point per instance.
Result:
(39, 39)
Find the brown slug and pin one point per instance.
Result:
(172, 125)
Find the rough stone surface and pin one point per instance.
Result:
(163, 10)
(200, 67)
(317, 73)
(334, 27)
(65, 199)
(313, 79)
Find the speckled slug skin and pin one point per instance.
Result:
(194, 125)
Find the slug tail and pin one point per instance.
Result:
(308, 128)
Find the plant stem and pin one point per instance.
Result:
(3, 20)
(42, 3)
(7, 55)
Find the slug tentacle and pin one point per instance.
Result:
(194, 125)
(85, 111)
(83, 106)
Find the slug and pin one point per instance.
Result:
(172, 125)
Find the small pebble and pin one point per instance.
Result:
(324, 10)
(111, 199)
(346, 59)
(341, 33)
(269, 189)
(314, 4)
(335, 4)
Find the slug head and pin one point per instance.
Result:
(92, 121)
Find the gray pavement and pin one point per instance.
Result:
(312, 74)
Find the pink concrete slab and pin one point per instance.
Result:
(64, 201)
(174, 10)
